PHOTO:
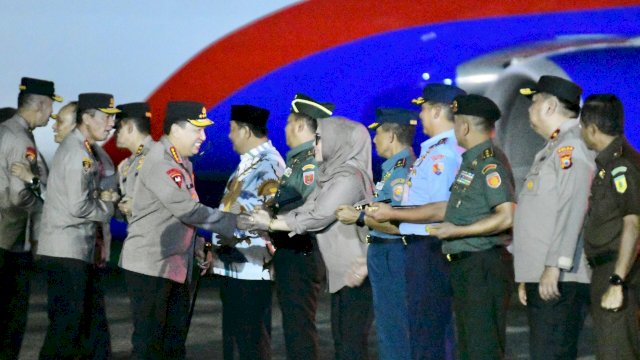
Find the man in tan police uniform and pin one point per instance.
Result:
(19, 201)
(548, 252)
(133, 125)
(158, 252)
(75, 204)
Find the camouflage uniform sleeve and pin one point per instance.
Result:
(83, 202)
(498, 186)
(159, 178)
(573, 170)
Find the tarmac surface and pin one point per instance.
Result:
(205, 335)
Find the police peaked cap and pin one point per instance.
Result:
(39, 87)
(563, 89)
(191, 111)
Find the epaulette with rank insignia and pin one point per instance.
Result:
(487, 153)
(400, 163)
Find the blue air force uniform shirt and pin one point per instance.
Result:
(391, 186)
(431, 176)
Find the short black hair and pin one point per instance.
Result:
(404, 133)
(79, 113)
(166, 127)
(606, 112)
(142, 124)
(312, 123)
(27, 99)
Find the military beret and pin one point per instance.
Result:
(39, 87)
(394, 115)
(139, 110)
(191, 111)
(250, 114)
(99, 101)
(438, 93)
(563, 89)
(476, 105)
(303, 104)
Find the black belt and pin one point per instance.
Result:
(380, 240)
(601, 259)
(465, 254)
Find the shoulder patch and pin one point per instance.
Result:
(400, 163)
(308, 167)
(494, 180)
(88, 147)
(565, 154)
(176, 176)
(30, 154)
(488, 168)
(621, 183)
(308, 177)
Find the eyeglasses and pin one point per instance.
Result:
(318, 138)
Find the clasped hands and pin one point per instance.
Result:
(258, 220)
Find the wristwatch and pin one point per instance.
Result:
(615, 279)
(360, 221)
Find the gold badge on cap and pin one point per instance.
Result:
(112, 103)
(203, 115)
(148, 114)
(454, 106)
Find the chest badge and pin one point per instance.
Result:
(438, 168)
(287, 172)
(602, 173)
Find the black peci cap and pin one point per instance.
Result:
(250, 114)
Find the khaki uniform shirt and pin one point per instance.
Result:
(18, 201)
(129, 168)
(165, 213)
(615, 193)
(73, 203)
(551, 209)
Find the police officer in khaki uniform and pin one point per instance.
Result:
(297, 262)
(159, 250)
(611, 229)
(133, 125)
(74, 206)
(548, 252)
(480, 209)
(19, 200)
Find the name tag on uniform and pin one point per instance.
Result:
(287, 172)
(379, 185)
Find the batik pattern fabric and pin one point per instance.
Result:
(254, 183)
